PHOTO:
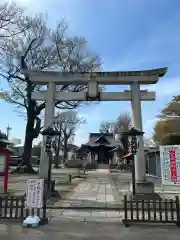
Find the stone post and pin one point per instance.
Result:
(140, 164)
(49, 115)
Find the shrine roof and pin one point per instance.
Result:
(99, 139)
(117, 148)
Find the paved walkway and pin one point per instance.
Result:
(87, 231)
(97, 191)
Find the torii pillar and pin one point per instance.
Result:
(142, 186)
(49, 115)
(140, 165)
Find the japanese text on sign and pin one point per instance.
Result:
(34, 193)
(170, 164)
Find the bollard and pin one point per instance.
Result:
(70, 177)
(52, 186)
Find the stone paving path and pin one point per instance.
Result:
(87, 231)
(96, 191)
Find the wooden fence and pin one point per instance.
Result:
(14, 208)
(148, 211)
(141, 211)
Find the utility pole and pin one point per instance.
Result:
(8, 129)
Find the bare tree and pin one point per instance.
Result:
(148, 142)
(12, 23)
(105, 127)
(123, 124)
(67, 124)
(57, 125)
(10, 18)
(42, 49)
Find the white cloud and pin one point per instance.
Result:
(21, 2)
(24, 1)
(81, 137)
(165, 87)
(148, 127)
(92, 116)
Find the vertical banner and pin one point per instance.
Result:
(173, 169)
(170, 164)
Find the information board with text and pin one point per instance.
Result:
(34, 193)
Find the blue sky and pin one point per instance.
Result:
(128, 35)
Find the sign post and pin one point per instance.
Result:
(34, 193)
(170, 165)
(34, 200)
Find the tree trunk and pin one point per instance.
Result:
(31, 132)
(26, 158)
(125, 144)
(56, 165)
(65, 149)
(26, 166)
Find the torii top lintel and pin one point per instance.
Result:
(104, 78)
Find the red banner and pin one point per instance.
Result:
(173, 170)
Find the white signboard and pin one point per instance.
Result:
(34, 193)
(170, 164)
(2, 163)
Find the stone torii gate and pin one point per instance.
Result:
(92, 80)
